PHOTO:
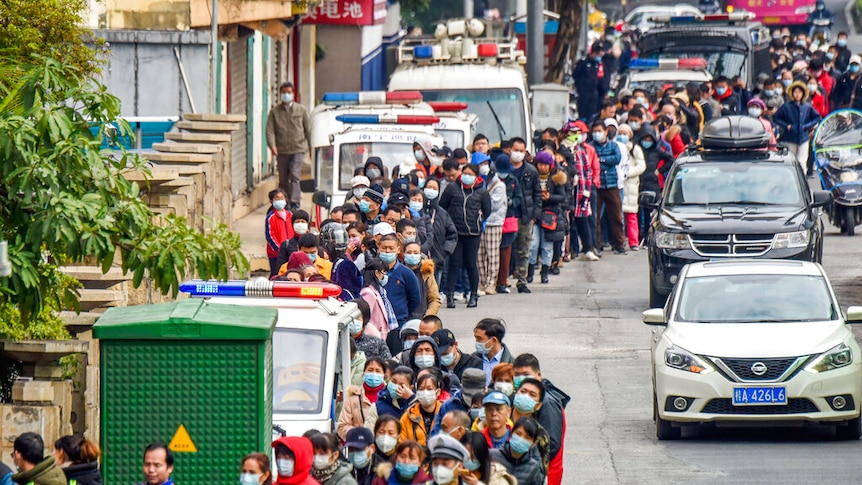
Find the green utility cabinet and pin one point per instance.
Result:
(190, 374)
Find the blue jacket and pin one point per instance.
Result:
(609, 157)
(403, 292)
(385, 406)
(795, 121)
(454, 403)
(346, 275)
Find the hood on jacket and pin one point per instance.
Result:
(559, 177)
(427, 266)
(302, 452)
(645, 131)
(412, 354)
(798, 84)
(427, 146)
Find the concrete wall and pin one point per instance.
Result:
(341, 68)
(148, 14)
(143, 71)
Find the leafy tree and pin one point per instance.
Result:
(421, 13)
(564, 55)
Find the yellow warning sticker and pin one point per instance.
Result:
(182, 442)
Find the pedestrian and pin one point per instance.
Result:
(423, 268)
(455, 424)
(327, 466)
(796, 118)
(492, 235)
(300, 220)
(728, 101)
(447, 460)
(489, 334)
(658, 163)
(818, 100)
(335, 240)
(469, 205)
(387, 429)
(583, 217)
(756, 109)
(407, 467)
(609, 156)
(358, 399)
(358, 185)
(525, 404)
(587, 74)
(418, 420)
(482, 469)
(451, 358)
(28, 455)
(502, 379)
(441, 243)
(293, 460)
(288, 135)
(395, 399)
(79, 460)
(278, 228)
(370, 205)
(515, 455)
(375, 170)
(255, 470)
(509, 230)
(374, 279)
(554, 225)
(529, 212)
(409, 333)
(426, 160)
(359, 443)
(367, 337)
(310, 245)
(423, 354)
(402, 286)
(473, 382)
(158, 465)
(847, 87)
(498, 408)
(637, 165)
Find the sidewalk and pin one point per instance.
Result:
(250, 230)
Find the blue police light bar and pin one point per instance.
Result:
(260, 288)
(341, 98)
(213, 288)
(366, 119)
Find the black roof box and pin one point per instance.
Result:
(734, 132)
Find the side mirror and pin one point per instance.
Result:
(822, 198)
(854, 314)
(654, 316)
(648, 199)
(307, 186)
(322, 199)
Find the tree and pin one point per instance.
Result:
(566, 47)
(63, 199)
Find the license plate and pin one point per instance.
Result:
(754, 396)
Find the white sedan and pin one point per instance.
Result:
(754, 342)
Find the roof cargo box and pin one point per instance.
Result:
(730, 132)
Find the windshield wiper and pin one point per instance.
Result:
(500, 129)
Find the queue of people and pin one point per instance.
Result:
(73, 460)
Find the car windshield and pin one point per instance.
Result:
(354, 155)
(755, 298)
(727, 183)
(298, 367)
(453, 138)
(490, 105)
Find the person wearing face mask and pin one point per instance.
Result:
(310, 245)
(293, 459)
(772, 96)
(847, 92)
(360, 452)
(420, 417)
(502, 379)
(278, 228)
(515, 455)
(367, 337)
(299, 228)
(386, 431)
(843, 54)
(359, 399)
(472, 389)
(447, 460)
(588, 74)
(375, 170)
(254, 470)
(818, 101)
(492, 235)
(509, 229)
(288, 136)
(637, 165)
(657, 163)
(528, 214)
(482, 469)
(609, 156)
(374, 279)
(795, 119)
(818, 75)
(549, 235)
(394, 399)
(728, 100)
(406, 468)
(358, 185)
(526, 403)
(423, 268)
(426, 160)
(451, 358)
(79, 459)
(489, 334)
(443, 238)
(402, 286)
(424, 354)
(370, 205)
(327, 466)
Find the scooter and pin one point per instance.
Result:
(837, 147)
(821, 28)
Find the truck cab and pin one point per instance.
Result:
(458, 64)
(308, 343)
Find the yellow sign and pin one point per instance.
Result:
(182, 442)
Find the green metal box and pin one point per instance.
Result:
(190, 374)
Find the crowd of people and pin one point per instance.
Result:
(73, 461)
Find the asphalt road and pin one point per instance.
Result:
(585, 328)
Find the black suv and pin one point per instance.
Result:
(735, 196)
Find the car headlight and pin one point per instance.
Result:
(679, 358)
(796, 239)
(848, 176)
(834, 358)
(672, 240)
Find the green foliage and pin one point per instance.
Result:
(44, 325)
(63, 199)
(419, 12)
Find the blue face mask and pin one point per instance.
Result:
(598, 136)
(249, 479)
(416, 206)
(384, 280)
(412, 259)
(830, 55)
(623, 138)
(279, 204)
(854, 68)
(372, 379)
(524, 403)
(364, 206)
(387, 258)
(359, 459)
(468, 179)
(447, 359)
(422, 183)
(842, 42)
(408, 344)
(720, 91)
(392, 387)
(431, 194)
(517, 380)
(424, 361)
(647, 144)
(787, 82)
(406, 470)
(311, 256)
(519, 445)
(472, 464)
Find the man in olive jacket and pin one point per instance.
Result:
(28, 454)
(288, 135)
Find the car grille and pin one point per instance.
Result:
(775, 368)
(794, 406)
(731, 245)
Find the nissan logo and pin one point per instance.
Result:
(758, 368)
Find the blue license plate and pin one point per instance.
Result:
(755, 396)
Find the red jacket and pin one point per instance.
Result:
(819, 103)
(278, 228)
(303, 454)
(825, 80)
(595, 164)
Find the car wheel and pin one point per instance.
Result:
(664, 430)
(656, 299)
(850, 220)
(850, 431)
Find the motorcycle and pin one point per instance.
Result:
(837, 147)
(822, 28)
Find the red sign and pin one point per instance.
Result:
(347, 12)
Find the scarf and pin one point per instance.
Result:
(390, 313)
(323, 475)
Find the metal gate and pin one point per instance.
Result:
(237, 53)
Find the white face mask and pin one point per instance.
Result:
(385, 442)
(426, 397)
(484, 169)
(321, 462)
(443, 475)
(287, 97)
(300, 227)
(518, 157)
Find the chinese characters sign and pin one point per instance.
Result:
(348, 12)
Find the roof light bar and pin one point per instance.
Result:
(373, 97)
(445, 106)
(260, 288)
(669, 64)
(683, 19)
(389, 119)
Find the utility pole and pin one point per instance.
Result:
(214, 60)
(535, 41)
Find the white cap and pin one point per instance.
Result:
(360, 180)
(611, 122)
(855, 59)
(383, 228)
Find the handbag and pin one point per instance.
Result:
(549, 220)
(510, 225)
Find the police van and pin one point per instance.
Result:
(308, 343)
(456, 126)
(347, 128)
(460, 65)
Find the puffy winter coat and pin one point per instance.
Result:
(795, 120)
(84, 473)
(557, 186)
(356, 406)
(531, 204)
(413, 425)
(468, 206)
(44, 473)
(430, 291)
(526, 469)
(499, 202)
(443, 237)
(637, 165)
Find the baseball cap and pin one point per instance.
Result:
(359, 437)
(444, 338)
(611, 122)
(410, 326)
(360, 180)
(445, 446)
(398, 198)
(855, 59)
(383, 228)
(473, 383)
(496, 397)
(443, 151)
